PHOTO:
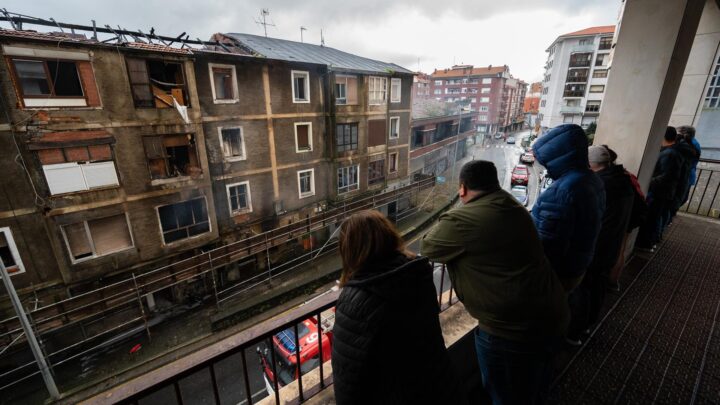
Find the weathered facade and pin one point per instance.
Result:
(118, 158)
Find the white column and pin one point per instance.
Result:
(653, 44)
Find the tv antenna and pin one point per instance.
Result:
(264, 13)
(301, 33)
(322, 38)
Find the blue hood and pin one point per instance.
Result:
(563, 148)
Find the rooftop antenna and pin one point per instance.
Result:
(322, 38)
(263, 15)
(301, 33)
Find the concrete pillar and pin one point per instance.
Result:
(653, 44)
(691, 96)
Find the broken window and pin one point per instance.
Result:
(239, 198)
(300, 86)
(233, 144)
(223, 82)
(97, 237)
(347, 179)
(157, 83)
(171, 156)
(303, 137)
(376, 172)
(183, 220)
(9, 253)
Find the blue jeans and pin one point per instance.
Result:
(514, 372)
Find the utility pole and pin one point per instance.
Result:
(301, 33)
(29, 334)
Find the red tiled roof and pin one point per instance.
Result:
(41, 35)
(603, 29)
(476, 71)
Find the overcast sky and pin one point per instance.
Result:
(438, 33)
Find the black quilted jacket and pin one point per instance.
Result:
(388, 346)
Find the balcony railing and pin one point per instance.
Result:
(579, 63)
(575, 109)
(576, 79)
(177, 383)
(703, 198)
(574, 93)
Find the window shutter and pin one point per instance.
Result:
(376, 132)
(351, 90)
(303, 136)
(110, 234)
(154, 148)
(139, 81)
(100, 174)
(64, 178)
(87, 77)
(77, 240)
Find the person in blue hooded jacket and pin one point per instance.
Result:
(568, 215)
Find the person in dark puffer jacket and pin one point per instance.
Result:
(388, 347)
(568, 215)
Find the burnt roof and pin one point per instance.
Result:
(334, 59)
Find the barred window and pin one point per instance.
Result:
(712, 98)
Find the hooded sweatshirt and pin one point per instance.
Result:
(568, 215)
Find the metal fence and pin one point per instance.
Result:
(703, 197)
(208, 377)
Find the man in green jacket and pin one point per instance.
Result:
(499, 271)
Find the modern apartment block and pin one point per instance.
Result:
(491, 91)
(120, 157)
(576, 73)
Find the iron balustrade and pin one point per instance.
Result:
(703, 196)
(172, 378)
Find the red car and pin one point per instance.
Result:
(520, 175)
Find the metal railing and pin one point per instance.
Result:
(180, 382)
(703, 196)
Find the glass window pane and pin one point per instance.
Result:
(33, 79)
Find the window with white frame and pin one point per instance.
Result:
(239, 198)
(487, 80)
(485, 90)
(348, 178)
(9, 253)
(184, 219)
(300, 86)
(232, 142)
(97, 237)
(306, 183)
(393, 162)
(377, 90)
(223, 83)
(712, 97)
(81, 168)
(438, 82)
(473, 100)
(482, 118)
(484, 99)
(395, 90)
(394, 128)
(437, 91)
(303, 137)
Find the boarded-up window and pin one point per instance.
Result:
(97, 237)
(303, 140)
(9, 253)
(171, 155)
(183, 220)
(376, 132)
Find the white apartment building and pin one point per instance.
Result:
(575, 77)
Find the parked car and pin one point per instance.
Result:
(520, 193)
(527, 157)
(520, 175)
(499, 135)
(511, 140)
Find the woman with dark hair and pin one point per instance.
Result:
(388, 347)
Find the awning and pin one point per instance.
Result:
(70, 139)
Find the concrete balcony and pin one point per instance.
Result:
(572, 109)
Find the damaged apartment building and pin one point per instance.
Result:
(121, 157)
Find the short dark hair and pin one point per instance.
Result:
(479, 175)
(687, 131)
(671, 134)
